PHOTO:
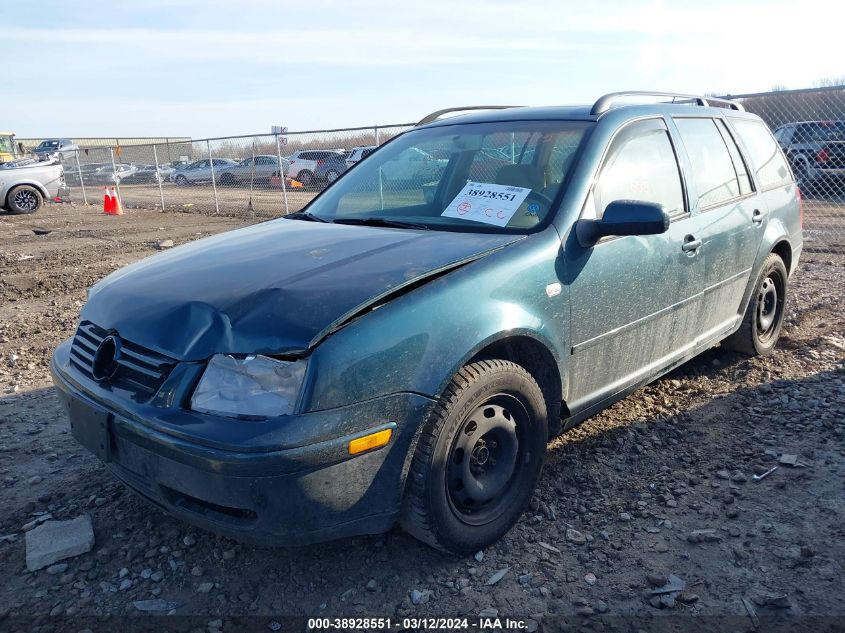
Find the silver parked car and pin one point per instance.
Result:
(52, 146)
(25, 184)
(110, 175)
(259, 169)
(201, 171)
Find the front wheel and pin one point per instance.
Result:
(181, 181)
(478, 458)
(763, 320)
(24, 199)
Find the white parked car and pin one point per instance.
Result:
(304, 163)
(411, 164)
(358, 154)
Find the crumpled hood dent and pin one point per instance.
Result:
(274, 288)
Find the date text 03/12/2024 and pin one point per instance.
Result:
(418, 624)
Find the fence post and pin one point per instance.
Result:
(158, 177)
(116, 179)
(282, 173)
(213, 179)
(375, 134)
(81, 182)
(249, 207)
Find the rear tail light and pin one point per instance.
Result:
(800, 207)
(822, 156)
(320, 162)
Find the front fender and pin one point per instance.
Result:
(418, 341)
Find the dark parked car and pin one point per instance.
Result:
(201, 171)
(329, 170)
(816, 151)
(390, 356)
(87, 170)
(147, 174)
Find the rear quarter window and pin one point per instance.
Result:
(767, 160)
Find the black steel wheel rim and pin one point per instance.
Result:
(770, 297)
(485, 459)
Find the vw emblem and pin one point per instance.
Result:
(105, 358)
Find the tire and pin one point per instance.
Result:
(763, 320)
(24, 199)
(306, 178)
(227, 180)
(801, 170)
(331, 176)
(181, 181)
(485, 436)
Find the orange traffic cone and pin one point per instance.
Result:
(108, 202)
(117, 208)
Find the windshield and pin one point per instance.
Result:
(502, 177)
(6, 144)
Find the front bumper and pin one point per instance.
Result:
(286, 494)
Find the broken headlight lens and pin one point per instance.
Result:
(254, 386)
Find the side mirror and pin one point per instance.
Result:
(624, 217)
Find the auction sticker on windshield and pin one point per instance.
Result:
(486, 202)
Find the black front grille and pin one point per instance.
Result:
(140, 371)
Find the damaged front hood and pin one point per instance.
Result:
(272, 288)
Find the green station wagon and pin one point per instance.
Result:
(403, 349)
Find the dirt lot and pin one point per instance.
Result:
(661, 483)
(263, 201)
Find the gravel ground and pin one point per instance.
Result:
(660, 484)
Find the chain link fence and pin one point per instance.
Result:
(253, 177)
(263, 176)
(809, 125)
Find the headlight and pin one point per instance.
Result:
(255, 386)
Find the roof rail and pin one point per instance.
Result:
(604, 103)
(436, 115)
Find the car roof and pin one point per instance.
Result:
(579, 113)
(822, 121)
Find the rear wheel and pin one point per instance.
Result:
(181, 180)
(331, 176)
(305, 177)
(227, 180)
(24, 199)
(478, 458)
(763, 320)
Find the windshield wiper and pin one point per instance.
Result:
(302, 215)
(397, 224)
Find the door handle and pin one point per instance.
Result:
(757, 216)
(691, 244)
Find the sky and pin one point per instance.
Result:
(205, 68)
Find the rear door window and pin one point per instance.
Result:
(712, 168)
(767, 160)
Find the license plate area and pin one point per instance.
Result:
(90, 427)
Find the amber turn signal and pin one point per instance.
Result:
(369, 442)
